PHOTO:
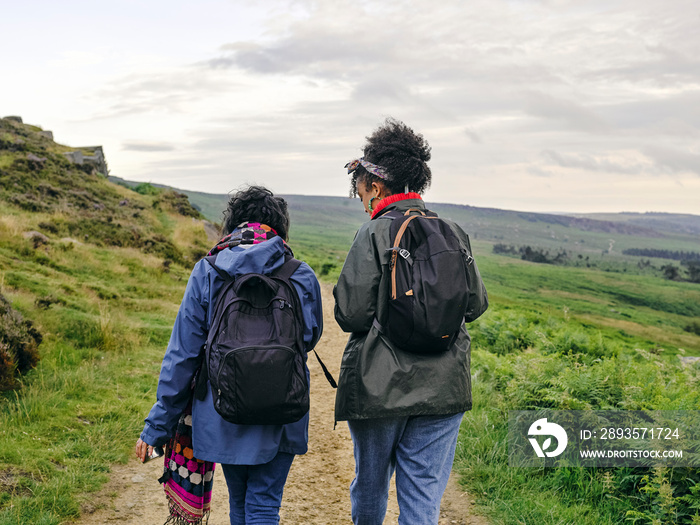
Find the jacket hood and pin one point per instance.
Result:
(263, 258)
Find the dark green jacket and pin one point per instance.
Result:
(376, 378)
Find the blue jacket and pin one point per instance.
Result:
(215, 439)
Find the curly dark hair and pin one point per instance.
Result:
(256, 204)
(402, 153)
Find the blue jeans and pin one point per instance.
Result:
(255, 491)
(420, 449)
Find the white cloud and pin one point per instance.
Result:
(147, 146)
(518, 98)
(620, 165)
(674, 160)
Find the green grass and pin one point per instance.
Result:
(79, 410)
(580, 496)
(619, 305)
(577, 339)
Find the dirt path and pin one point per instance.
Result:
(317, 488)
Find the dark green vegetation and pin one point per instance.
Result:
(19, 342)
(602, 331)
(575, 339)
(664, 254)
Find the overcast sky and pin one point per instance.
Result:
(553, 105)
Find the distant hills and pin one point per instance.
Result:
(665, 222)
(591, 235)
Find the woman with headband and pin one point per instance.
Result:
(403, 409)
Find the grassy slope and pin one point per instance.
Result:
(80, 409)
(112, 291)
(576, 338)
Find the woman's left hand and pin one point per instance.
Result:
(143, 450)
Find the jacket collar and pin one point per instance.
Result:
(398, 201)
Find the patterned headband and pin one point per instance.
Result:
(372, 168)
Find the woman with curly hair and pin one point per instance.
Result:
(255, 458)
(403, 409)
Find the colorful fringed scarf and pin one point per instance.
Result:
(246, 233)
(187, 481)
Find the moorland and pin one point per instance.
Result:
(587, 312)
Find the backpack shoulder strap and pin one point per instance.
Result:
(391, 214)
(287, 269)
(396, 251)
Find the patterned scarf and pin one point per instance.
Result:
(246, 233)
(188, 481)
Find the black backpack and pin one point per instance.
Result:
(255, 350)
(429, 290)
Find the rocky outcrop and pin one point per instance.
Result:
(97, 159)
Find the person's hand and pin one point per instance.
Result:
(143, 450)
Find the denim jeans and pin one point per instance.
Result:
(419, 448)
(255, 491)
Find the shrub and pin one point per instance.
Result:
(327, 268)
(19, 342)
(693, 328)
(176, 202)
(508, 332)
(29, 202)
(530, 381)
(161, 245)
(505, 333)
(146, 188)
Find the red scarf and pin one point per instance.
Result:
(391, 199)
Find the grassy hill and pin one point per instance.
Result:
(99, 269)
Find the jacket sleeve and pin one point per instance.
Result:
(357, 288)
(182, 359)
